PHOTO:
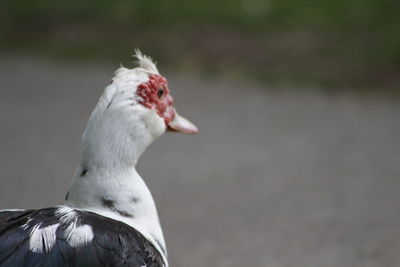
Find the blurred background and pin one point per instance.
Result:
(297, 102)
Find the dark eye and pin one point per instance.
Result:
(160, 92)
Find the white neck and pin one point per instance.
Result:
(106, 182)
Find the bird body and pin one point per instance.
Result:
(109, 217)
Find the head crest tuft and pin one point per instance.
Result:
(145, 62)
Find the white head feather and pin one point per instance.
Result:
(145, 62)
(118, 123)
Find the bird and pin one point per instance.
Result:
(109, 217)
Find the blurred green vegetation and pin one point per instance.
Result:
(337, 43)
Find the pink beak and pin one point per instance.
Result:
(180, 124)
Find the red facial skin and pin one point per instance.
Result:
(152, 98)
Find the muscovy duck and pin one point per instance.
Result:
(109, 217)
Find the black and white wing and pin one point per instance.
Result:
(53, 237)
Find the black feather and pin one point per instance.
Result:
(114, 243)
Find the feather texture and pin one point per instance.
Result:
(114, 243)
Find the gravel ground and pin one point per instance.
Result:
(275, 178)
